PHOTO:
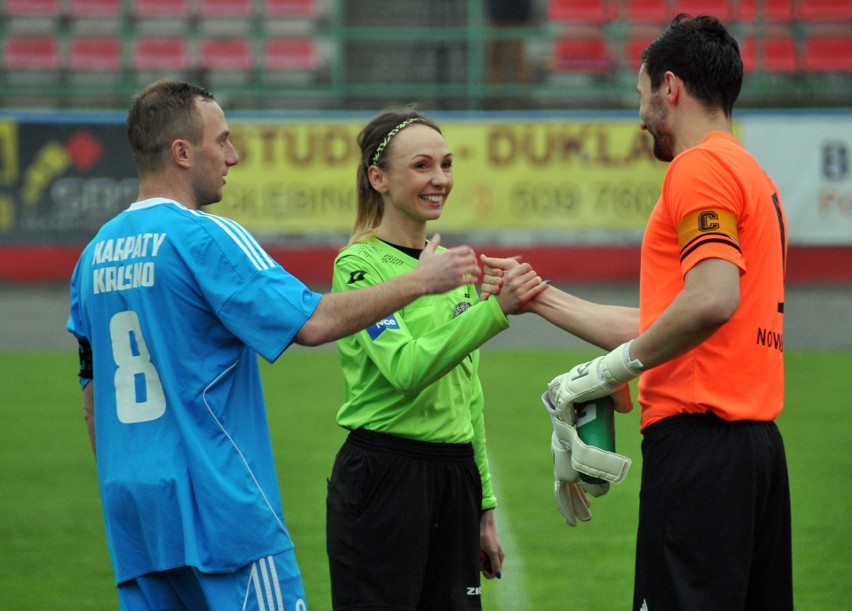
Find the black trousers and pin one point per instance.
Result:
(714, 517)
(402, 525)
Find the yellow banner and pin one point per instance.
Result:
(299, 177)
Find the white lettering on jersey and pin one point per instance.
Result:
(132, 275)
(128, 247)
(123, 277)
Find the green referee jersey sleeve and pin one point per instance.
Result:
(415, 374)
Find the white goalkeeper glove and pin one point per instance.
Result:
(571, 458)
(597, 378)
(571, 500)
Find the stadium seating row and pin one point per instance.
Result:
(161, 8)
(584, 51)
(112, 54)
(660, 11)
(290, 41)
(573, 11)
(775, 51)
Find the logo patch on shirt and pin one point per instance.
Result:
(356, 276)
(388, 323)
(460, 307)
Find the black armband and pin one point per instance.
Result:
(85, 350)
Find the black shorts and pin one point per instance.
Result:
(402, 525)
(714, 517)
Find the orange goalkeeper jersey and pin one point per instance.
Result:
(717, 202)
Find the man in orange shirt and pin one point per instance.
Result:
(714, 514)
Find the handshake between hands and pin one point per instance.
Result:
(580, 468)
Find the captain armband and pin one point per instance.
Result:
(85, 351)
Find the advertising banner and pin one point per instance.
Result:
(533, 175)
(59, 182)
(524, 179)
(810, 160)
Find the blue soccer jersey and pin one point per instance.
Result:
(177, 304)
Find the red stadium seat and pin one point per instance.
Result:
(580, 11)
(96, 54)
(646, 11)
(747, 53)
(31, 53)
(225, 54)
(289, 8)
(290, 54)
(637, 41)
(161, 54)
(587, 55)
(833, 11)
(775, 52)
(147, 9)
(32, 8)
(828, 52)
(225, 8)
(771, 11)
(94, 8)
(780, 53)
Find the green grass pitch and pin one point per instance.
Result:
(51, 534)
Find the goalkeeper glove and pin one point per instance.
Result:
(572, 458)
(571, 500)
(597, 378)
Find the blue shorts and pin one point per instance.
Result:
(273, 582)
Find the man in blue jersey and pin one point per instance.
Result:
(171, 307)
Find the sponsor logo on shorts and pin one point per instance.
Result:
(377, 329)
(474, 590)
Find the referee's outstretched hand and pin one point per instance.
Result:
(443, 271)
(520, 284)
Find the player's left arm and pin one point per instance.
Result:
(492, 554)
(710, 297)
(480, 453)
(489, 543)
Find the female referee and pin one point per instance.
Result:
(410, 520)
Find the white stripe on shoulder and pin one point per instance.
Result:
(249, 240)
(255, 254)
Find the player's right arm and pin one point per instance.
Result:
(605, 326)
(89, 413)
(341, 314)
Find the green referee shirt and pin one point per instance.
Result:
(415, 373)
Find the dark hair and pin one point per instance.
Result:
(162, 113)
(701, 52)
(375, 134)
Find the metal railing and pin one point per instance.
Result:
(438, 56)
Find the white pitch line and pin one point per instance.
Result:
(511, 589)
